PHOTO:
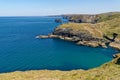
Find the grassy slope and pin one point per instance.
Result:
(111, 26)
(108, 16)
(106, 27)
(76, 27)
(108, 71)
(100, 17)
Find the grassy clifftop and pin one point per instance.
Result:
(108, 71)
(108, 16)
(105, 31)
(107, 27)
(88, 18)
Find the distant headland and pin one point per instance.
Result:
(90, 30)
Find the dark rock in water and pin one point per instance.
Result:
(118, 61)
(117, 57)
(58, 20)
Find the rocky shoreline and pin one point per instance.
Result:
(76, 40)
(91, 43)
(81, 38)
(85, 30)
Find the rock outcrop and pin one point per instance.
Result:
(80, 37)
(115, 45)
(42, 36)
(105, 31)
(87, 18)
(58, 20)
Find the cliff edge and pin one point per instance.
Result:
(106, 31)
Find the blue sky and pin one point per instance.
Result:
(53, 7)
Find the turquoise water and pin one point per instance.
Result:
(20, 50)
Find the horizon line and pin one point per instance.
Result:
(49, 15)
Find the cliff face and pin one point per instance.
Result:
(105, 31)
(86, 18)
(83, 18)
(108, 71)
(85, 34)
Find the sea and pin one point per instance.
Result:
(21, 51)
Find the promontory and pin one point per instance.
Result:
(90, 30)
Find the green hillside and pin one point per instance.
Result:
(88, 18)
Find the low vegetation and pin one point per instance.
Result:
(86, 18)
(99, 29)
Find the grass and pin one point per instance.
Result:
(108, 16)
(99, 17)
(111, 26)
(78, 27)
(98, 30)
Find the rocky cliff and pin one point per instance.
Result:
(103, 33)
(85, 34)
(88, 18)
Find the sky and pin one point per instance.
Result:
(56, 7)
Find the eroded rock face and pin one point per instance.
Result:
(81, 37)
(83, 18)
(105, 31)
(88, 43)
(92, 43)
(118, 61)
(117, 57)
(42, 36)
(115, 45)
(58, 20)
(88, 18)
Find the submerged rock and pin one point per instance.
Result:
(42, 36)
(116, 55)
(68, 39)
(88, 43)
(58, 20)
(52, 36)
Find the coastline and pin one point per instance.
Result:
(89, 30)
(85, 34)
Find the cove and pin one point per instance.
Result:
(21, 51)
